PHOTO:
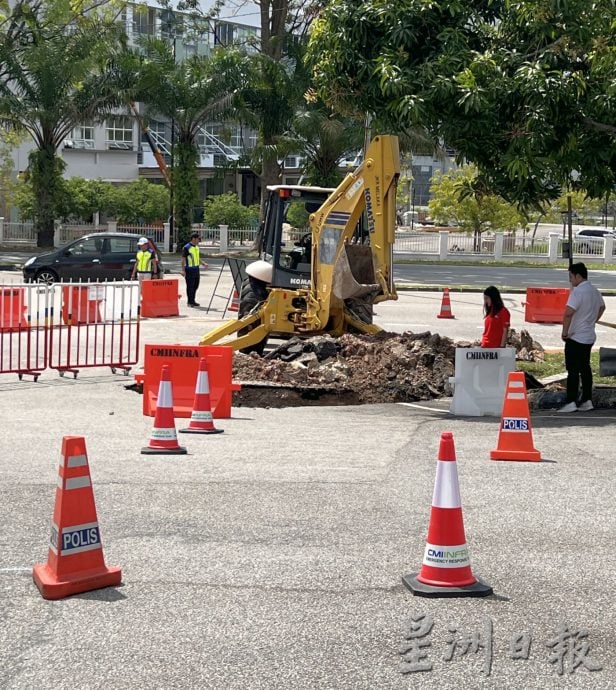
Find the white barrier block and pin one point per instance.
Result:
(481, 380)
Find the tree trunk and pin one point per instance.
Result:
(45, 170)
(186, 188)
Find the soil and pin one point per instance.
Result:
(357, 369)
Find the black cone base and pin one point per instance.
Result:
(163, 451)
(201, 431)
(419, 589)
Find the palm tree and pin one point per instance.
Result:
(191, 93)
(56, 74)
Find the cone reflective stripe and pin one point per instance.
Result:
(75, 561)
(446, 567)
(446, 312)
(515, 438)
(235, 301)
(201, 419)
(164, 440)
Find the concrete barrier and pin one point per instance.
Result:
(480, 380)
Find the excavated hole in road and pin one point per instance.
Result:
(357, 369)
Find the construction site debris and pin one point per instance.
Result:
(360, 369)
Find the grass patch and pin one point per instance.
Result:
(555, 364)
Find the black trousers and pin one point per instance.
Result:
(577, 361)
(193, 275)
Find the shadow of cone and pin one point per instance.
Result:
(75, 561)
(201, 419)
(446, 568)
(164, 440)
(515, 438)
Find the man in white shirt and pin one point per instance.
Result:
(584, 308)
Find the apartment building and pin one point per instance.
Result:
(117, 151)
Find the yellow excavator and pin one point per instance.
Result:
(327, 281)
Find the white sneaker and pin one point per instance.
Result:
(569, 407)
(586, 406)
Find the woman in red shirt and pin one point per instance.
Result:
(497, 319)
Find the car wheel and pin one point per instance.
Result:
(46, 275)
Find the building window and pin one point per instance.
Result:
(82, 137)
(119, 133)
(144, 20)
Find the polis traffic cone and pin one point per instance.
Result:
(446, 312)
(235, 301)
(201, 420)
(164, 440)
(515, 438)
(75, 561)
(446, 569)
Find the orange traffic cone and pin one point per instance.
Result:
(164, 440)
(446, 312)
(515, 438)
(75, 561)
(446, 569)
(201, 420)
(235, 301)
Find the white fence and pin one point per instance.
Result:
(442, 245)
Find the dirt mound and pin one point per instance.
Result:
(387, 367)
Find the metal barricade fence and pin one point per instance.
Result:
(69, 327)
(23, 329)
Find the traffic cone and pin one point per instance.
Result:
(235, 301)
(164, 440)
(75, 561)
(515, 438)
(201, 420)
(446, 312)
(446, 569)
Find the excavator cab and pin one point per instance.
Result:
(287, 238)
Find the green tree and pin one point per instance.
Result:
(226, 209)
(525, 90)
(138, 202)
(8, 141)
(56, 73)
(192, 93)
(458, 197)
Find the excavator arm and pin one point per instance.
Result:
(347, 266)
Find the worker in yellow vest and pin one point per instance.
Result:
(191, 264)
(145, 263)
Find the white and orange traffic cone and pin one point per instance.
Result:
(446, 312)
(515, 438)
(201, 419)
(446, 568)
(235, 301)
(164, 440)
(75, 561)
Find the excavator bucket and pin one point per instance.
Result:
(354, 272)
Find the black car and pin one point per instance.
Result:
(96, 257)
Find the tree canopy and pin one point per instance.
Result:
(526, 90)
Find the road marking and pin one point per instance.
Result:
(423, 407)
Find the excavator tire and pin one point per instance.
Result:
(253, 294)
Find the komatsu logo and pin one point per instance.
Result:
(299, 281)
(369, 211)
(482, 355)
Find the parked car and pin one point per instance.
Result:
(592, 240)
(96, 257)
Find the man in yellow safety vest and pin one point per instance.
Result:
(146, 263)
(191, 263)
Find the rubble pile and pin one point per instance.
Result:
(386, 367)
